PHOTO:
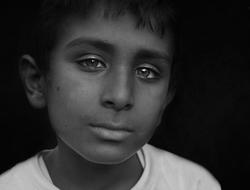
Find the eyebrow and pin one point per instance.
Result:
(153, 54)
(96, 43)
(110, 48)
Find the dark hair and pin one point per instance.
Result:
(156, 15)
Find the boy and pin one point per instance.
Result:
(102, 70)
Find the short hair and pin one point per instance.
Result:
(155, 15)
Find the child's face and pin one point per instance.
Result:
(108, 86)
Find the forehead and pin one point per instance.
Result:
(121, 31)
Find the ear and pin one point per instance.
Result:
(170, 96)
(33, 81)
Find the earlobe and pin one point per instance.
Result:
(170, 96)
(33, 81)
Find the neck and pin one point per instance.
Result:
(68, 170)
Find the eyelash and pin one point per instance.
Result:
(85, 64)
(149, 70)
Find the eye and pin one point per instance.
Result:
(91, 64)
(147, 73)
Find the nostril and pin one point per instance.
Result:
(118, 94)
(117, 105)
(109, 104)
(128, 106)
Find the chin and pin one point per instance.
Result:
(107, 158)
(105, 153)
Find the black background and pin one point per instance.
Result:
(209, 119)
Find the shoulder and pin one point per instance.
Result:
(180, 171)
(16, 177)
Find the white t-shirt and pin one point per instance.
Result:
(162, 171)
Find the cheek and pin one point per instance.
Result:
(151, 106)
(70, 101)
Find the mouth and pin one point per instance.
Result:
(109, 131)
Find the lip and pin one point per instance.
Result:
(110, 131)
(112, 126)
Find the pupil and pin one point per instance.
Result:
(144, 72)
(92, 62)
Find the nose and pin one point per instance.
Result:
(118, 91)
